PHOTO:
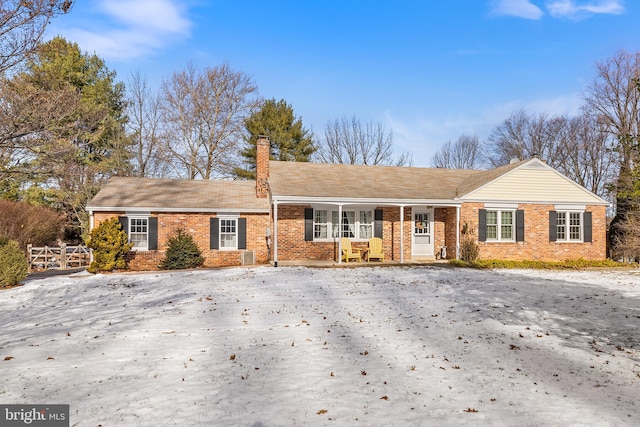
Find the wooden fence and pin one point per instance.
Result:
(58, 257)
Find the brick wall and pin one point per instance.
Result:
(536, 245)
(198, 225)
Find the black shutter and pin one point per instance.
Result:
(519, 226)
(308, 225)
(214, 233)
(242, 233)
(377, 223)
(588, 235)
(124, 223)
(153, 233)
(553, 226)
(482, 225)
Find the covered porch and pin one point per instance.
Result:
(412, 232)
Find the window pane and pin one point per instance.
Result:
(334, 224)
(349, 224)
(574, 226)
(228, 235)
(320, 224)
(506, 228)
(562, 224)
(492, 225)
(138, 232)
(366, 224)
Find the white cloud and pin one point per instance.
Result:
(127, 29)
(519, 8)
(573, 9)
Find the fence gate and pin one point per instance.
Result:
(58, 257)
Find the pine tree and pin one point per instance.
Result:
(290, 141)
(182, 252)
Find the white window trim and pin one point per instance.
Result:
(129, 228)
(567, 226)
(233, 217)
(330, 224)
(499, 238)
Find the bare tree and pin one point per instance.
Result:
(148, 157)
(347, 141)
(203, 115)
(576, 146)
(22, 24)
(522, 136)
(613, 99)
(465, 153)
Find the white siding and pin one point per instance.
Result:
(542, 185)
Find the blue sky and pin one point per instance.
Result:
(428, 70)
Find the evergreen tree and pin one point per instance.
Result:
(110, 245)
(290, 141)
(67, 125)
(182, 252)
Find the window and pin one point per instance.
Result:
(320, 224)
(366, 224)
(569, 226)
(228, 233)
(500, 225)
(139, 233)
(356, 224)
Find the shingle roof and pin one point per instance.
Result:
(178, 194)
(297, 179)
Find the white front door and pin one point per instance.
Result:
(422, 235)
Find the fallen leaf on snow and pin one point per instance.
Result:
(321, 411)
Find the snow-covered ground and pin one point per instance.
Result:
(291, 346)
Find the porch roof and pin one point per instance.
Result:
(341, 181)
(182, 195)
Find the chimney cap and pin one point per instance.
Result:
(264, 137)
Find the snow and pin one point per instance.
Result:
(379, 346)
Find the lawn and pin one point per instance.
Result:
(291, 346)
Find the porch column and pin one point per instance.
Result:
(275, 234)
(401, 234)
(457, 232)
(339, 234)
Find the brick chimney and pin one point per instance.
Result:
(263, 150)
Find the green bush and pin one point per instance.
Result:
(110, 245)
(182, 252)
(14, 267)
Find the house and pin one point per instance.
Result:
(298, 211)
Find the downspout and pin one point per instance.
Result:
(457, 232)
(339, 234)
(275, 234)
(402, 234)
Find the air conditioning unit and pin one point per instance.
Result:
(248, 257)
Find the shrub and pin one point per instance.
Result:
(573, 264)
(182, 252)
(14, 267)
(110, 246)
(27, 224)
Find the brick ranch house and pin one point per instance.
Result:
(299, 211)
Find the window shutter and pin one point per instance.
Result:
(153, 233)
(377, 223)
(482, 225)
(588, 234)
(124, 222)
(519, 226)
(308, 224)
(214, 233)
(553, 226)
(242, 233)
